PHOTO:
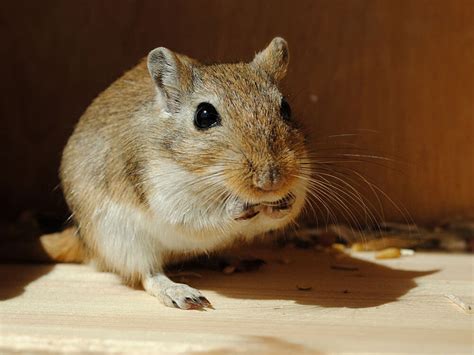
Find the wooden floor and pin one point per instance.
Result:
(395, 305)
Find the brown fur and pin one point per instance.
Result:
(119, 137)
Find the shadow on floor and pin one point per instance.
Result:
(306, 277)
(333, 281)
(14, 278)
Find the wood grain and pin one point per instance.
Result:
(395, 306)
(402, 70)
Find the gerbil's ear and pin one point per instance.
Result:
(172, 74)
(274, 59)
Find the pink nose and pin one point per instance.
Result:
(269, 179)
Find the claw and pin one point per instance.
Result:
(205, 302)
(194, 304)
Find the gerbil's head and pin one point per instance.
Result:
(230, 130)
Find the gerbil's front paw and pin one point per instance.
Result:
(173, 294)
(184, 297)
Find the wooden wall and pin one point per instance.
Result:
(399, 73)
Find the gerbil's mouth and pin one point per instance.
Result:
(274, 209)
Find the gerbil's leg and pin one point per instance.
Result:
(174, 294)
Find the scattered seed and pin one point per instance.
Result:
(389, 253)
(339, 247)
(357, 247)
(304, 287)
(460, 303)
(345, 267)
(407, 252)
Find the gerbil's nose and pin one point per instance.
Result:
(269, 179)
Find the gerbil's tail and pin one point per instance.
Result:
(63, 246)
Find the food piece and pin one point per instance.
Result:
(339, 247)
(358, 247)
(384, 243)
(304, 287)
(407, 252)
(389, 253)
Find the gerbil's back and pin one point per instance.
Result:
(96, 153)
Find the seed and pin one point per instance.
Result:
(389, 253)
(339, 247)
(358, 247)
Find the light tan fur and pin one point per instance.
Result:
(144, 184)
(64, 246)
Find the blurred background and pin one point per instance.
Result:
(390, 78)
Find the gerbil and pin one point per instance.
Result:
(178, 158)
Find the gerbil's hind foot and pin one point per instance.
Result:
(175, 294)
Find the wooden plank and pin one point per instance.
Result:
(384, 306)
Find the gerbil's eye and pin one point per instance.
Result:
(285, 110)
(206, 116)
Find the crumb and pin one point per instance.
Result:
(357, 247)
(383, 242)
(407, 252)
(389, 253)
(304, 287)
(338, 247)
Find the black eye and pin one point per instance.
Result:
(285, 110)
(206, 116)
